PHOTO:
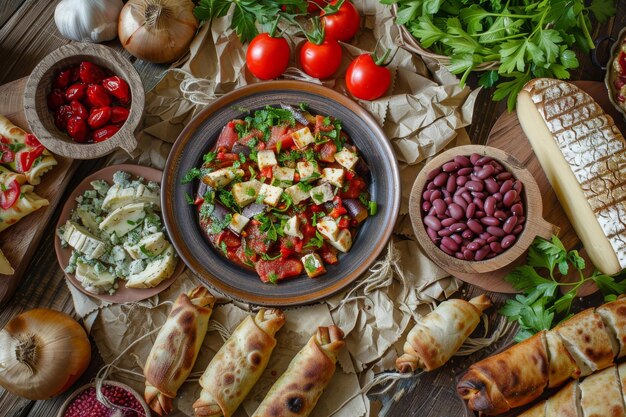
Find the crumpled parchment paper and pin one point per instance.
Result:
(424, 112)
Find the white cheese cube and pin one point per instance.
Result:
(266, 159)
(271, 194)
(246, 192)
(346, 158)
(297, 194)
(322, 193)
(313, 265)
(343, 241)
(292, 227)
(238, 222)
(303, 137)
(327, 226)
(222, 177)
(307, 170)
(333, 176)
(283, 173)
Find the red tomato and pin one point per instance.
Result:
(321, 61)
(26, 159)
(343, 24)
(9, 195)
(366, 80)
(267, 57)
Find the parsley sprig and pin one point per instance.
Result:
(541, 305)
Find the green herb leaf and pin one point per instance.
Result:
(189, 199)
(191, 175)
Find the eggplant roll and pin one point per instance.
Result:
(237, 366)
(176, 348)
(297, 390)
(437, 336)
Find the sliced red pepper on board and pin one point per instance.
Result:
(9, 195)
(27, 158)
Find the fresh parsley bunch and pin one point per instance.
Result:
(541, 301)
(530, 38)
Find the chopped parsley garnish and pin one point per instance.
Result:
(16, 147)
(242, 158)
(242, 129)
(268, 227)
(145, 251)
(192, 174)
(227, 199)
(131, 222)
(209, 157)
(266, 257)
(305, 186)
(310, 265)
(189, 199)
(279, 146)
(318, 196)
(372, 208)
(206, 209)
(217, 226)
(260, 198)
(272, 277)
(250, 192)
(315, 242)
(236, 164)
(304, 106)
(223, 247)
(209, 195)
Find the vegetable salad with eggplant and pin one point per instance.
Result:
(282, 192)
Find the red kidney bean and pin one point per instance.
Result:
(480, 204)
(467, 234)
(458, 239)
(450, 166)
(500, 215)
(499, 168)
(474, 246)
(450, 244)
(479, 214)
(458, 227)
(521, 219)
(431, 186)
(440, 206)
(432, 234)
(460, 191)
(482, 253)
(469, 211)
(496, 247)
(456, 211)
(509, 225)
(474, 158)
(433, 223)
(433, 173)
(440, 179)
(495, 231)
(448, 222)
(492, 239)
(426, 195)
(473, 177)
(426, 205)
(445, 193)
(517, 186)
(484, 160)
(432, 212)
(474, 186)
(490, 221)
(517, 209)
(467, 197)
(460, 181)
(504, 176)
(462, 160)
(486, 172)
(509, 198)
(491, 255)
(490, 205)
(491, 185)
(460, 201)
(465, 171)
(451, 184)
(478, 195)
(475, 226)
(506, 186)
(444, 232)
(446, 250)
(484, 236)
(508, 241)
(498, 196)
(459, 255)
(468, 255)
(447, 200)
(518, 229)
(436, 194)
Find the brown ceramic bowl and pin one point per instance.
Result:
(123, 294)
(72, 397)
(41, 120)
(199, 137)
(611, 74)
(531, 197)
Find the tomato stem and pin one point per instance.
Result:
(332, 8)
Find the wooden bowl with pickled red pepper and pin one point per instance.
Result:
(84, 101)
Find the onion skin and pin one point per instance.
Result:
(42, 353)
(158, 31)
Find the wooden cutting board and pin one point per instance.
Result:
(507, 134)
(19, 241)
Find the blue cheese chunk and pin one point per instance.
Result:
(343, 242)
(346, 159)
(322, 193)
(222, 177)
(283, 174)
(246, 192)
(327, 226)
(266, 159)
(303, 137)
(308, 170)
(292, 227)
(313, 265)
(271, 194)
(238, 222)
(333, 176)
(297, 194)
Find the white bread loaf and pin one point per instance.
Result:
(583, 154)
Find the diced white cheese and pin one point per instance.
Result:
(83, 241)
(271, 194)
(327, 226)
(292, 227)
(297, 194)
(307, 169)
(303, 137)
(222, 177)
(313, 265)
(266, 158)
(333, 176)
(322, 193)
(123, 219)
(343, 241)
(238, 222)
(246, 192)
(346, 158)
(283, 173)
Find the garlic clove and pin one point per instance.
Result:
(88, 20)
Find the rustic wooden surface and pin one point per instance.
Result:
(27, 34)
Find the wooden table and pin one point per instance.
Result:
(27, 34)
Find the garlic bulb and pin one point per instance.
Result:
(42, 353)
(88, 20)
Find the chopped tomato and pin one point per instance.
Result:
(227, 137)
(308, 230)
(31, 140)
(329, 254)
(9, 195)
(320, 126)
(256, 239)
(285, 252)
(338, 212)
(254, 134)
(276, 132)
(278, 269)
(349, 175)
(229, 238)
(327, 152)
(316, 208)
(353, 188)
(267, 172)
(27, 158)
(199, 200)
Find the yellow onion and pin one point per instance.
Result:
(157, 30)
(42, 353)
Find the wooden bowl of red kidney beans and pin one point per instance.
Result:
(476, 209)
(84, 101)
